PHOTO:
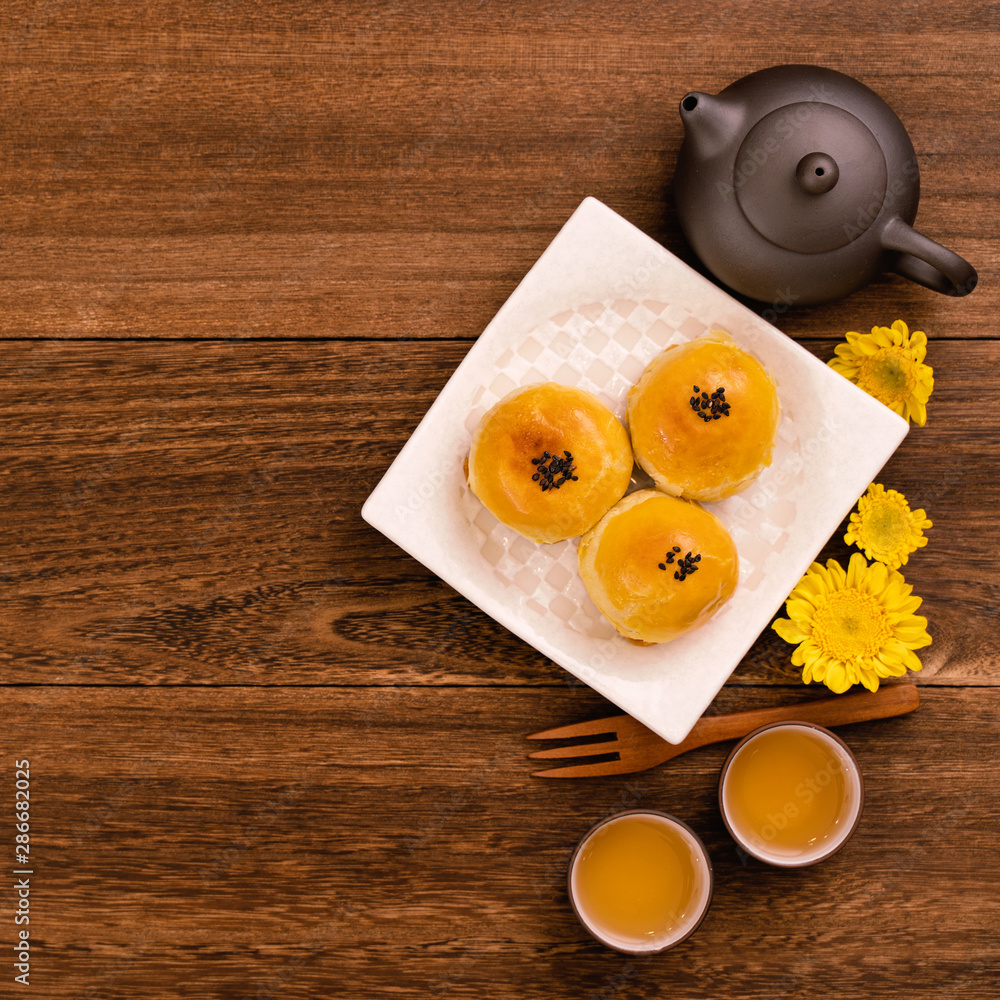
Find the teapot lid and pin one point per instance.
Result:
(810, 177)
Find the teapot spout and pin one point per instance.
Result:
(711, 124)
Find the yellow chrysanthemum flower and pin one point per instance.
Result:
(888, 363)
(853, 626)
(885, 528)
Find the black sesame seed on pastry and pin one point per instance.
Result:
(549, 461)
(657, 566)
(703, 418)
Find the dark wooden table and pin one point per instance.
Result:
(242, 247)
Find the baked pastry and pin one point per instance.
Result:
(549, 461)
(657, 566)
(703, 418)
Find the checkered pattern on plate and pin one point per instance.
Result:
(603, 347)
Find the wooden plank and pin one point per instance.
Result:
(391, 171)
(296, 764)
(190, 513)
(247, 843)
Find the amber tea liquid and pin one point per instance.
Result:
(640, 882)
(791, 794)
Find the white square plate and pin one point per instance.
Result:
(601, 301)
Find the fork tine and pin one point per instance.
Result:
(587, 750)
(596, 727)
(593, 770)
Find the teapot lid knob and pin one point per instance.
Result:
(797, 195)
(817, 173)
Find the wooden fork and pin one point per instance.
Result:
(639, 748)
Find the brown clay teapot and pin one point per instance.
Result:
(798, 184)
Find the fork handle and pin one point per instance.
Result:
(895, 699)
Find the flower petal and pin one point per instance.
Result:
(836, 678)
(869, 678)
(800, 609)
(789, 630)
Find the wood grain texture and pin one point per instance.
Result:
(231, 169)
(242, 248)
(301, 843)
(190, 513)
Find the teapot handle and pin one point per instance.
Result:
(926, 262)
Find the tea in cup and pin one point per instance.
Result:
(791, 794)
(640, 881)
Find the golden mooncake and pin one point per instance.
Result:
(549, 461)
(657, 566)
(703, 418)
